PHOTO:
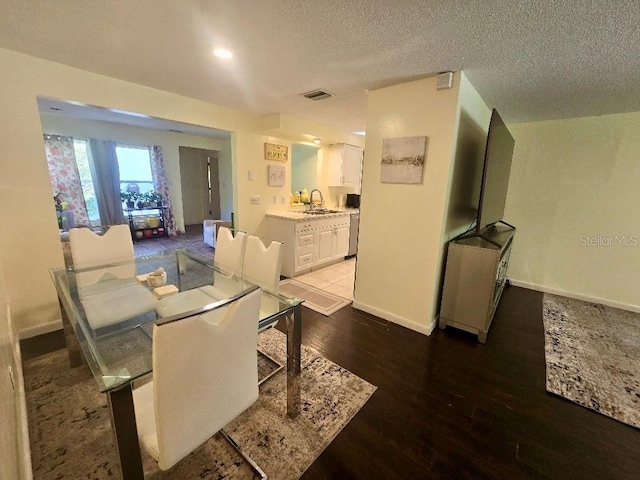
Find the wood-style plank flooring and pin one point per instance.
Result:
(449, 407)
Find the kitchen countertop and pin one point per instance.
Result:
(300, 215)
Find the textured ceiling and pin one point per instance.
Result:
(531, 60)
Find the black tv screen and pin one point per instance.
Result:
(495, 174)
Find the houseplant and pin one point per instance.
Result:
(129, 198)
(155, 197)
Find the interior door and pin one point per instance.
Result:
(199, 179)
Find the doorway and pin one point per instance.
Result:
(200, 184)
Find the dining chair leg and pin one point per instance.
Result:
(279, 367)
(254, 466)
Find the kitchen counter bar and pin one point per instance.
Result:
(301, 216)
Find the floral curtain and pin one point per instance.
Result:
(161, 186)
(65, 179)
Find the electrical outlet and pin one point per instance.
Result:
(255, 199)
(250, 175)
(275, 199)
(282, 199)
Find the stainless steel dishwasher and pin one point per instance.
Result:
(353, 234)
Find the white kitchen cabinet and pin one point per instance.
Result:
(345, 165)
(309, 243)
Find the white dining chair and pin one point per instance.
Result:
(188, 401)
(262, 266)
(108, 295)
(229, 253)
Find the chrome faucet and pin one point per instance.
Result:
(311, 204)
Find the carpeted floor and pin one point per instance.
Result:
(71, 434)
(592, 354)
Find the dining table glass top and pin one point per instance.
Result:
(113, 309)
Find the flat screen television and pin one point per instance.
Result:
(495, 173)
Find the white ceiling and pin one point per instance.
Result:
(531, 60)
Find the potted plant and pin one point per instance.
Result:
(129, 198)
(155, 198)
(142, 200)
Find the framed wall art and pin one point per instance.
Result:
(279, 153)
(403, 160)
(276, 175)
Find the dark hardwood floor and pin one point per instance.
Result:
(449, 407)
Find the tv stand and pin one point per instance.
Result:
(475, 277)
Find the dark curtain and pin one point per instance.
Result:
(106, 180)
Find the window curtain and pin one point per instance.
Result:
(103, 163)
(65, 179)
(161, 186)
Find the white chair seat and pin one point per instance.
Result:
(117, 305)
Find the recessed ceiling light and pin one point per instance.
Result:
(317, 141)
(224, 53)
(363, 133)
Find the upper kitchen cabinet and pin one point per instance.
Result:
(345, 165)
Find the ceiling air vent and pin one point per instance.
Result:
(317, 95)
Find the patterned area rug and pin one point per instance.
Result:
(592, 354)
(71, 434)
(314, 298)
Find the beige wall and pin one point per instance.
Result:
(574, 182)
(15, 462)
(401, 226)
(169, 141)
(30, 245)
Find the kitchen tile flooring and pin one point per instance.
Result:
(338, 278)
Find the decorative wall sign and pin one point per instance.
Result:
(276, 175)
(275, 152)
(403, 159)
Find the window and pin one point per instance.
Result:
(134, 164)
(86, 182)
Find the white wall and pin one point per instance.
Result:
(15, 461)
(573, 182)
(169, 141)
(401, 226)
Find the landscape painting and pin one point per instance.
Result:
(403, 159)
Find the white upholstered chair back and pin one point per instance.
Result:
(230, 250)
(262, 266)
(89, 249)
(204, 375)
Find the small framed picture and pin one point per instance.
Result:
(276, 175)
(279, 153)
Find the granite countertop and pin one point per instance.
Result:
(300, 215)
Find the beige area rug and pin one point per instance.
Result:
(592, 354)
(314, 298)
(71, 436)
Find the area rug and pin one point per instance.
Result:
(314, 298)
(71, 436)
(592, 354)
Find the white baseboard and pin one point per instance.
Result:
(578, 296)
(41, 329)
(410, 324)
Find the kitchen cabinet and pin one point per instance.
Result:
(309, 242)
(345, 165)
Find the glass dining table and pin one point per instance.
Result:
(109, 311)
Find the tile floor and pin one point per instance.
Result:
(338, 278)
